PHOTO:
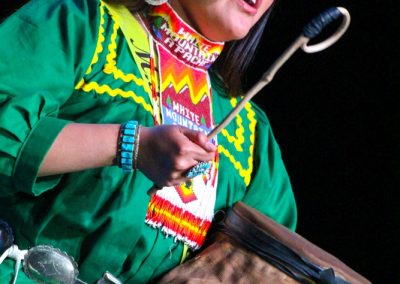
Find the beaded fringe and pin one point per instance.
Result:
(177, 222)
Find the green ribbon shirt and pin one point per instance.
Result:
(64, 61)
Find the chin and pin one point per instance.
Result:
(228, 35)
(237, 35)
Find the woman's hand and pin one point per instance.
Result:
(167, 152)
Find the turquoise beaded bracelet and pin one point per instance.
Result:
(127, 144)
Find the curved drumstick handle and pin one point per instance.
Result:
(311, 30)
(314, 27)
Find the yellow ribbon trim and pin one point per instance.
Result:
(245, 173)
(100, 40)
(237, 140)
(99, 47)
(185, 253)
(136, 37)
(111, 68)
(101, 89)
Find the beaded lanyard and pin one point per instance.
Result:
(186, 211)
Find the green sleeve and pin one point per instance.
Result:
(270, 190)
(45, 49)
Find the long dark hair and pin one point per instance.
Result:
(236, 56)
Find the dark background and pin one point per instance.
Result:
(336, 117)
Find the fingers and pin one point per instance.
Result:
(201, 149)
(199, 138)
(167, 152)
(171, 176)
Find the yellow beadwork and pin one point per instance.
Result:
(177, 219)
(178, 86)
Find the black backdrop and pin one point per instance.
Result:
(336, 117)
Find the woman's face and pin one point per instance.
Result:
(221, 20)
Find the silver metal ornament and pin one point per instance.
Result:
(46, 264)
(156, 2)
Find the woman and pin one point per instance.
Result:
(99, 105)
